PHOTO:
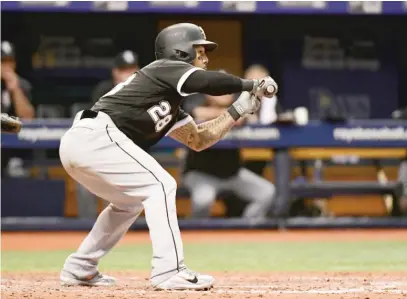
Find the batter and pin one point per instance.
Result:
(104, 150)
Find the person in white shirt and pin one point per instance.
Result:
(267, 114)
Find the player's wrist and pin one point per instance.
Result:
(234, 113)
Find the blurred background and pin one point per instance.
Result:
(329, 149)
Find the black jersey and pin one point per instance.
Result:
(146, 106)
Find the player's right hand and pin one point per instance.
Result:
(265, 87)
(247, 103)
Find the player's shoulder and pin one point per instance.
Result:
(165, 63)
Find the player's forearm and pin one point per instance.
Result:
(210, 132)
(22, 105)
(216, 83)
(202, 136)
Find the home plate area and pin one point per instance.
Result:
(228, 285)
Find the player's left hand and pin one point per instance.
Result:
(247, 103)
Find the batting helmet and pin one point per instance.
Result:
(177, 42)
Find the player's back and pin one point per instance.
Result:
(146, 105)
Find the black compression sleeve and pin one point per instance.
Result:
(215, 83)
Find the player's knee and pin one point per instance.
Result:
(203, 196)
(267, 192)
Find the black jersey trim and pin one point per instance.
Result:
(165, 196)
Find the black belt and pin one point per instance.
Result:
(89, 114)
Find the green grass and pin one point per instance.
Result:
(255, 257)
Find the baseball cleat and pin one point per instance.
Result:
(99, 280)
(187, 280)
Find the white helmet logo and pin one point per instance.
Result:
(128, 57)
(203, 32)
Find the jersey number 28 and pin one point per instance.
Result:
(160, 115)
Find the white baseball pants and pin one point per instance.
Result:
(100, 157)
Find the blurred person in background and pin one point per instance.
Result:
(266, 115)
(211, 171)
(15, 101)
(15, 91)
(125, 64)
(270, 107)
(272, 112)
(402, 174)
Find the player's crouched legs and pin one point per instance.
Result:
(81, 267)
(168, 269)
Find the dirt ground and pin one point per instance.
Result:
(228, 285)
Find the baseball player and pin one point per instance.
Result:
(105, 151)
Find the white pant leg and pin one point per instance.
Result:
(402, 177)
(99, 156)
(255, 189)
(203, 189)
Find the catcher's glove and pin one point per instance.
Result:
(10, 124)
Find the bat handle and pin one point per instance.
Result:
(269, 90)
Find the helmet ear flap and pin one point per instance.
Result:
(185, 52)
(181, 54)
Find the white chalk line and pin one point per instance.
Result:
(384, 287)
(315, 292)
(375, 284)
(250, 291)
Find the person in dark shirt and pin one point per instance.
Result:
(15, 90)
(401, 114)
(105, 150)
(15, 101)
(125, 64)
(209, 172)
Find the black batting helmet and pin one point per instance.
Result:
(177, 42)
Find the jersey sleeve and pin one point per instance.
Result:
(182, 119)
(175, 73)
